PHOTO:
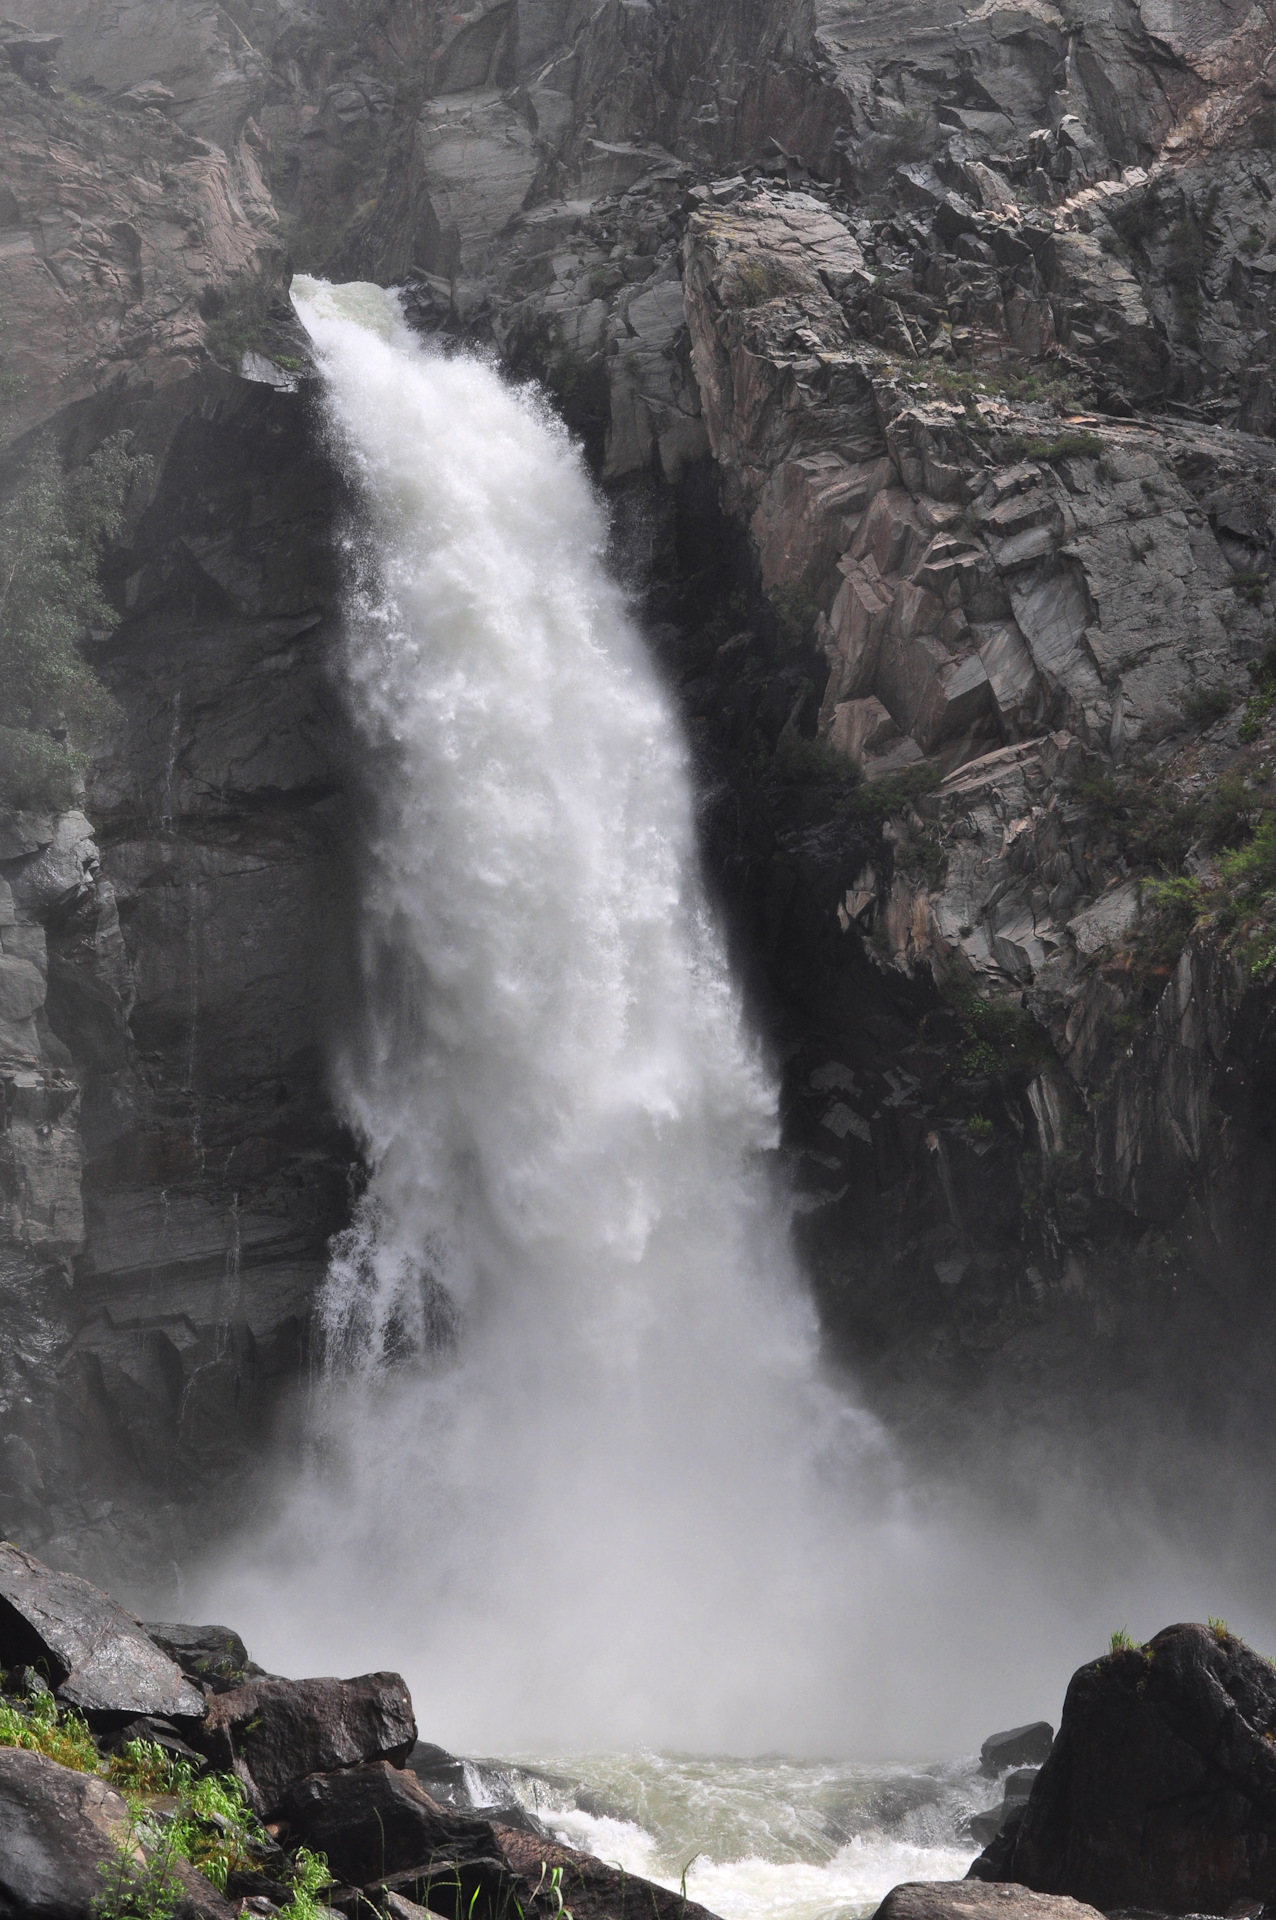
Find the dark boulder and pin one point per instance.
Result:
(378, 1827)
(973, 1900)
(1160, 1791)
(591, 1890)
(215, 1658)
(60, 1835)
(272, 1733)
(97, 1657)
(67, 1843)
(1017, 1747)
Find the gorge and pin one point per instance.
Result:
(924, 363)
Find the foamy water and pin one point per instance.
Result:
(765, 1839)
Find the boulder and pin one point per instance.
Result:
(272, 1733)
(588, 1888)
(97, 1657)
(1017, 1747)
(59, 1830)
(377, 1825)
(215, 1658)
(971, 1900)
(1160, 1790)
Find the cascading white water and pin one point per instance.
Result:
(575, 1471)
(565, 1116)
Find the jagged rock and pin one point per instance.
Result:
(1160, 1789)
(589, 1887)
(98, 1657)
(272, 1733)
(215, 1658)
(60, 1836)
(1025, 1746)
(376, 1823)
(967, 1900)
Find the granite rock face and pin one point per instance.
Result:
(928, 362)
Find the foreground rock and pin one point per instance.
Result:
(590, 1889)
(968, 1900)
(99, 1658)
(1160, 1790)
(377, 1827)
(272, 1733)
(58, 1830)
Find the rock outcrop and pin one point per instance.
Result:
(321, 1756)
(1160, 1791)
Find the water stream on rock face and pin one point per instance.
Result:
(574, 1469)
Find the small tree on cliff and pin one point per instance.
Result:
(53, 530)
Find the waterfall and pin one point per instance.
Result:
(574, 1468)
(571, 1375)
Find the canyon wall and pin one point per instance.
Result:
(926, 357)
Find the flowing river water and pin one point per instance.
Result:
(759, 1839)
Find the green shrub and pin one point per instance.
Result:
(1066, 391)
(238, 321)
(54, 529)
(1208, 704)
(795, 615)
(1000, 1036)
(1078, 445)
(1250, 586)
(37, 772)
(894, 794)
(810, 763)
(979, 1127)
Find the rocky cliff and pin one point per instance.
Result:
(926, 355)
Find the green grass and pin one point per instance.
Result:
(1120, 1641)
(40, 1727)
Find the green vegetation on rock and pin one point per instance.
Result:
(176, 1813)
(54, 529)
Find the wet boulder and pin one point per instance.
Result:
(60, 1837)
(589, 1888)
(272, 1733)
(1160, 1791)
(97, 1656)
(1017, 1747)
(377, 1826)
(214, 1658)
(975, 1900)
